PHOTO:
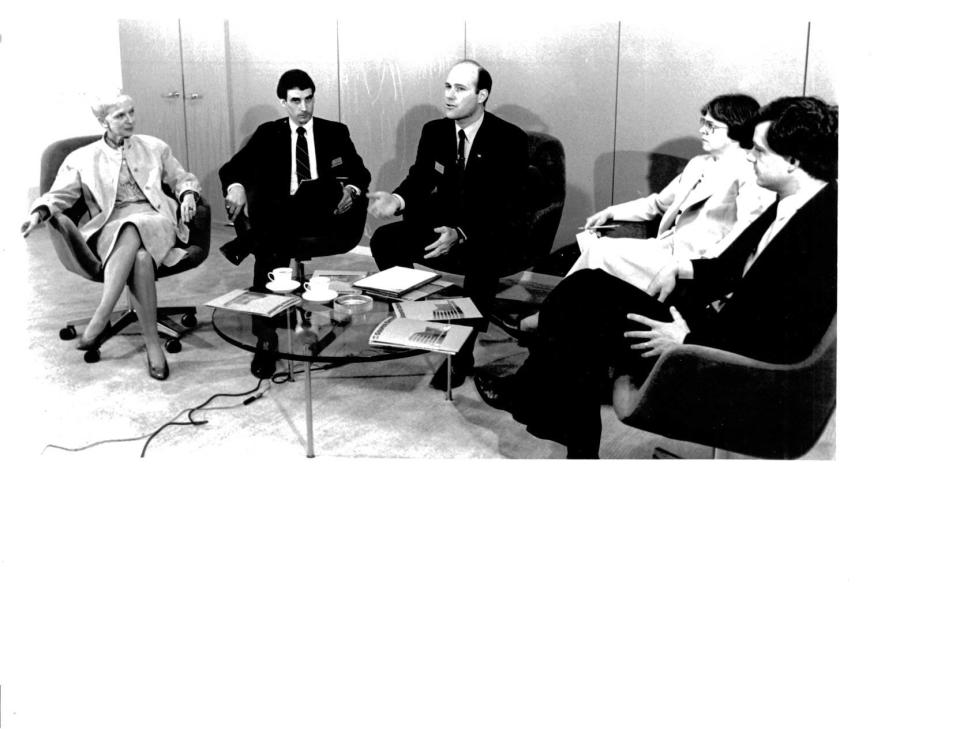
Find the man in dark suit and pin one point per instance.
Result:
(461, 201)
(297, 177)
(770, 295)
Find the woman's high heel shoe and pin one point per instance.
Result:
(158, 373)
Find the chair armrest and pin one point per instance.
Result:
(198, 248)
(72, 250)
(634, 228)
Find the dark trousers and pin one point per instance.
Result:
(560, 387)
(403, 243)
(303, 226)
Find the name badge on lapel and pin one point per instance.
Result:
(438, 167)
(336, 162)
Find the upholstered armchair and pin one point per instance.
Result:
(77, 257)
(735, 403)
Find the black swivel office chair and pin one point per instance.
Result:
(77, 257)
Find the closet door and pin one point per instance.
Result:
(152, 71)
(205, 105)
(175, 71)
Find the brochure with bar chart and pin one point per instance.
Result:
(438, 309)
(416, 334)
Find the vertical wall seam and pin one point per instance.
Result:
(339, 84)
(183, 96)
(228, 77)
(616, 102)
(806, 60)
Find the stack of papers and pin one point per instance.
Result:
(396, 281)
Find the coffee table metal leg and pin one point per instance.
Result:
(290, 342)
(449, 377)
(308, 386)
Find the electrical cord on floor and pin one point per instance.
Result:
(253, 396)
(191, 411)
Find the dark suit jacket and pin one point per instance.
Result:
(491, 207)
(782, 307)
(264, 161)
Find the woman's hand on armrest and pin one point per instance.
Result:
(188, 206)
(31, 223)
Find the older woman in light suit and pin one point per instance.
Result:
(133, 226)
(704, 208)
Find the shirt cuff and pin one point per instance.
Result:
(463, 236)
(353, 189)
(684, 268)
(401, 203)
(233, 185)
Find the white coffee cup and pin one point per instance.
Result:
(281, 275)
(320, 282)
(319, 286)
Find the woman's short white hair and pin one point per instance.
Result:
(104, 103)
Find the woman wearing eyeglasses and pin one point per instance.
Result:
(704, 208)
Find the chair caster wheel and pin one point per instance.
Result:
(173, 346)
(68, 332)
(189, 320)
(91, 356)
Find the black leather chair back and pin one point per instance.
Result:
(545, 190)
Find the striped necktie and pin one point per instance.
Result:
(303, 156)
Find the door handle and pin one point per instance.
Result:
(171, 95)
(194, 97)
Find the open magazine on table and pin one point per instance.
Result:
(461, 307)
(254, 302)
(417, 334)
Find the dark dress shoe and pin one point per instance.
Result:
(264, 362)
(497, 392)
(237, 249)
(158, 373)
(461, 365)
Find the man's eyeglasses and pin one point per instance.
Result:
(711, 125)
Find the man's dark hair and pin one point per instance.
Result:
(737, 112)
(294, 79)
(484, 81)
(806, 129)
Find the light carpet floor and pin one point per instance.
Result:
(381, 410)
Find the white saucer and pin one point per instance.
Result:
(320, 297)
(283, 288)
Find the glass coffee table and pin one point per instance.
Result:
(310, 333)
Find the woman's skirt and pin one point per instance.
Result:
(157, 233)
(634, 260)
